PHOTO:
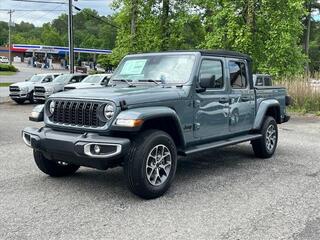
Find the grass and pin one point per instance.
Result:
(5, 84)
(306, 97)
(6, 73)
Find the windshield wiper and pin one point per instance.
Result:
(158, 82)
(124, 80)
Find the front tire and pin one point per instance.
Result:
(151, 164)
(52, 168)
(266, 146)
(31, 99)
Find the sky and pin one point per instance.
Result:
(39, 17)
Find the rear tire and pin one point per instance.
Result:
(52, 168)
(151, 164)
(19, 101)
(266, 146)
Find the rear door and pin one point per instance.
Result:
(211, 106)
(242, 104)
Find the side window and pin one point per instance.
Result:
(267, 81)
(47, 79)
(259, 81)
(238, 76)
(73, 79)
(212, 69)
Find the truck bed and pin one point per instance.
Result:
(272, 92)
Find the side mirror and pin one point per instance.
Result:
(206, 80)
(37, 113)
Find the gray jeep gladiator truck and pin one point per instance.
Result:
(158, 106)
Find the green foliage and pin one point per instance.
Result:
(7, 68)
(271, 31)
(90, 31)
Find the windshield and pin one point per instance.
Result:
(92, 79)
(158, 68)
(35, 78)
(61, 78)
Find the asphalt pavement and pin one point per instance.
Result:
(221, 194)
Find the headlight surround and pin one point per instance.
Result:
(108, 111)
(51, 107)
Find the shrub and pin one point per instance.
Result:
(8, 68)
(306, 96)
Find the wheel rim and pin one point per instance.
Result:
(158, 165)
(271, 138)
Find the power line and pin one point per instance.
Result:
(98, 18)
(40, 1)
(32, 10)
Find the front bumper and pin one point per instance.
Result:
(77, 148)
(41, 96)
(18, 95)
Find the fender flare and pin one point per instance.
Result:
(148, 113)
(262, 110)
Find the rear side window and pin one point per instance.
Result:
(238, 75)
(267, 81)
(213, 69)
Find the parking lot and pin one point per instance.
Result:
(222, 194)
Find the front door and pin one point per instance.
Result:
(242, 103)
(211, 106)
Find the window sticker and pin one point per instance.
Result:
(133, 67)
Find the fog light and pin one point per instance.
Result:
(96, 149)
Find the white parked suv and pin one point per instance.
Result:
(22, 91)
(92, 81)
(4, 59)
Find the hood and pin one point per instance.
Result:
(132, 95)
(24, 84)
(45, 85)
(83, 85)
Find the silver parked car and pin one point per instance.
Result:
(43, 91)
(96, 80)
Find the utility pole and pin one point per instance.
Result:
(70, 35)
(9, 26)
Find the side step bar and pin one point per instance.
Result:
(222, 143)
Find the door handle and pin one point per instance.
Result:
(223, 100)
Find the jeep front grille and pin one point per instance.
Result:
(39, 90)
(82, 114)
(14, 89)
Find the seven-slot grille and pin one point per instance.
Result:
(76, 113)
(39, 89)
(14, 89)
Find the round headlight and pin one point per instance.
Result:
(108, 111)
(51, 107)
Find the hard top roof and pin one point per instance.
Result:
(203, 52)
